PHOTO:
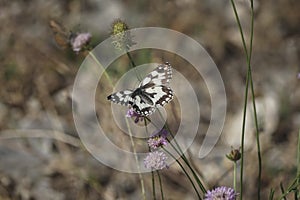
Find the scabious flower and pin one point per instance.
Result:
(156, 160)
(80, 41)
(221, 193)
(122, 39)
(131, 113)
(158, 140)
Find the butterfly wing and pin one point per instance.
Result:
(61, 35)
(151, 92)
(141, 107)
(162, 75)
(122, 97)
(146, 101)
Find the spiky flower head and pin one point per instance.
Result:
(80, 41)
(131, 113)
(119, 26)
(156, 160)
(158, 140)
(122, 39)
(221, 193)
(234, 155)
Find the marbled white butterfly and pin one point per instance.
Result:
(151, 92)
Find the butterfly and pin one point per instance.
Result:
(62, 36)
(150, 93)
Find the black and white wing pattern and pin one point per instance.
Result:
(122, 97)
(151, 92)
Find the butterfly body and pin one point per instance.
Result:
(151, 92)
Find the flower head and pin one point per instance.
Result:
(158, 140)
(118, 27)
(221, 193)
(122, 39)
(80, 41)
(156, 160)
(298, 76)
(234, 155)
(131, 113)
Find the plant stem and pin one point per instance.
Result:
(282, 190)
(136, 160)
(153, 186)
(271, 195)
(133, 65)
(181, 154)
(160, 184)
(234, 175)
(254, 105)
(104, 71)
(298, 165)
(298, 158)
(188, 176)
(292, 187)
(249, 78)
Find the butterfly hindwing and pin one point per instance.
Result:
(161, 94)
(142, 108)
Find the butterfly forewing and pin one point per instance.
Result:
(162, 75)
(122, 97)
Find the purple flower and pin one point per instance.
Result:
(132, 113)
(158, 140)
(156, 160)
(298, 76)
(80, 40)
(221, 193)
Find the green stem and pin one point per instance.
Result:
(298, 158)
(190, 167)
(184, 158)
(249, 78)
(292, 187)
(153, 186)
(152, 174)
(254, 104)
(234, 175)
(98, 63)
(136, 160)
(160, 184)
(188, 176)
(271, 195)
(282, 189)
(133, 65)
(298, 165)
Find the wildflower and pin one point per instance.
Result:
(234, 155)
(156, 160)
(132, 113)
(158, 140)
(122, 39)
(221, 193)
(80, 41)
(298, 76)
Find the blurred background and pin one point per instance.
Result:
(41, 156)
